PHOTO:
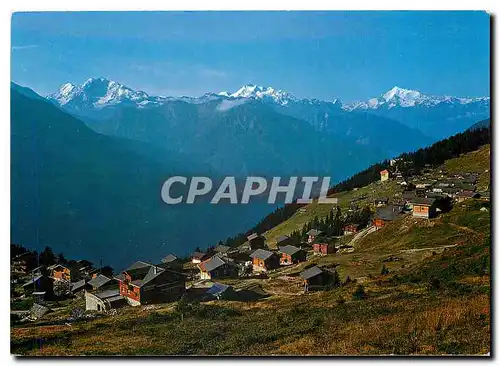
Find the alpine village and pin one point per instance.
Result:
(400, 265)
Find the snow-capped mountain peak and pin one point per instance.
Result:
(279, 96)
(98, 93)
(404, 98)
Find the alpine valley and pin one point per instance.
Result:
(89, 160)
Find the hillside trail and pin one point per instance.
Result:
(465, 228)
(362, 234)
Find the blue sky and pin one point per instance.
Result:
(349, 55)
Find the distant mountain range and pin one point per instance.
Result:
(428, 116)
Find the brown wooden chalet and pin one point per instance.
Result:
(316, 278)
(40, 284)
(224, 250)
(60, 272)
(283, 240)
(465, 195)
(217, 267)
(423, 207)
(256, 241)
(198, 257)
(144, 283)
(171, 261)
(291, 254)
(312, 235)
(386, 214)
(264, 260)
(323, 248)
(350, 229)
(101, 282)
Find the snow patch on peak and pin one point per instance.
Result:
(405, 98)
(98, 92)
(253, 91)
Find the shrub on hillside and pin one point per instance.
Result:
(360, 293)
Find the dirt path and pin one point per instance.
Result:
(465, 228)
(362, 234)
(429, 248)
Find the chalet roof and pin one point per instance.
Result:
(37, 269)
(108, 294)
(218, 288)
(137, 265)
(154, 271)
(222, 249)
(282, 238)
(23, 256)
(314, 232)
(54, 266)
(75, 286)
(385, 171)
(421, 201)
(311, 272)
(84, 263)
(169, 258)
(388, 213)
(99, 280)
(252, 236)
(212, 264)
(467, 194)
(198, 255)
(289, 249)
(138, 269)
(262, 254)
(33, 280)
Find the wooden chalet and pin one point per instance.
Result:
(256, 241)
(384, 175)
(224, 250)
(60, 272)
(264, 260)
(485, 196)
(283, 240)
(381, 201)
(312, 235)
(316, 278)
(144, 283)
(80, 287)
(465, 195)
(291, 255)
(386, 214)
(101, 282)
(170, 261)
(217, 267)
(198, 257)
(40, 284)
(103, 301)
(350, 229)
(221, 291)
(423, 207)
(323, 248)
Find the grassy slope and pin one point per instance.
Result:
(476, 161)
(377, 189)
(406, 312)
